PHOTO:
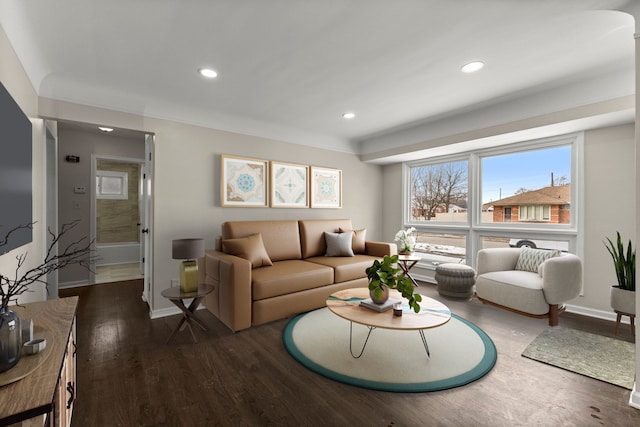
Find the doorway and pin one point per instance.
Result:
(79, 147)
(118, 210)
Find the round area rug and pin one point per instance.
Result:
(393, 360)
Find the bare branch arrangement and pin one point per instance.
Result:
(77, 252)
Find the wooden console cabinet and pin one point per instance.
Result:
(45, 397)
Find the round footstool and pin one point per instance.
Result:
(455, 280)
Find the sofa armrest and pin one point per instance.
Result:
(561, 278)
(380, 249)
(231, 278)
(496, 259)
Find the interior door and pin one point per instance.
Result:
(146, 240)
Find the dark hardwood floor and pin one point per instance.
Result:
(128, 376)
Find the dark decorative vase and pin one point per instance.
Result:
(383, 298)
(10, 339)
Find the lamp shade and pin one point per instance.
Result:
(187, 248)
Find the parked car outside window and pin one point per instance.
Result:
(539, 244)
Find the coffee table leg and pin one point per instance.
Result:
(371, 328)
(424, 341)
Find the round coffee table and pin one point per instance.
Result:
(346, 304)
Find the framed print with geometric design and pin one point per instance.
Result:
(289, 185)
(326, 187)
(243, 182)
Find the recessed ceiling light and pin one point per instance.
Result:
(208, 73)
(105, 129)
(472, 67)
(348, 116)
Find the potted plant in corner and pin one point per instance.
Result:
(385, 275)
(623, 298)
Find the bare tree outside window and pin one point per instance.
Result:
(439, 192)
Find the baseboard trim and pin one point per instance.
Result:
(76, 284)
(164, 312)
(634, 399)
(598, 314)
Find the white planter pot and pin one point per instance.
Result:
(623, 300)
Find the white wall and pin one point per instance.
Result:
(610, 198)
(186, 185)
(187, 188)
(15, 80)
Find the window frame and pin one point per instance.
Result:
(124, 185)
(474, 229)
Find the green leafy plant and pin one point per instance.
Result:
(386, 273)
(625, 265)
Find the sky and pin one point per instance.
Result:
(503, 175)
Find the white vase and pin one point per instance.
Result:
(623, 301)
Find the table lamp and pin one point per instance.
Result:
(188, 250)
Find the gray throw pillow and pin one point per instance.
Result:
(338, 244)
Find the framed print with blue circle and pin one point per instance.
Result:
(244, 182)
(326, 187)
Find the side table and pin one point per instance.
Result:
(406, 263)
(177, 297)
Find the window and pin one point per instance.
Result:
(533, 184)
(439, 192)
(112, 185)
(534, 213)
(439, 248)
(522, 194)
(516, 242)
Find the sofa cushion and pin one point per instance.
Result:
(346, 268)
(285, 277)
(281, 238)
(359, 238)
(250, 248)
(530, 259)
(338, 244)
(312, 234)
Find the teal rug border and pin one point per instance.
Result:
(480, 370)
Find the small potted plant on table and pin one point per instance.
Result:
(385, 275)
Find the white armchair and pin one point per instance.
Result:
(539, 292)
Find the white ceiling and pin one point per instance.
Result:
(288, 69)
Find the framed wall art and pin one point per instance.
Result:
(243, 182)
(326, 187)
(289, 185)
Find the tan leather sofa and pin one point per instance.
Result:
(267, 270)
